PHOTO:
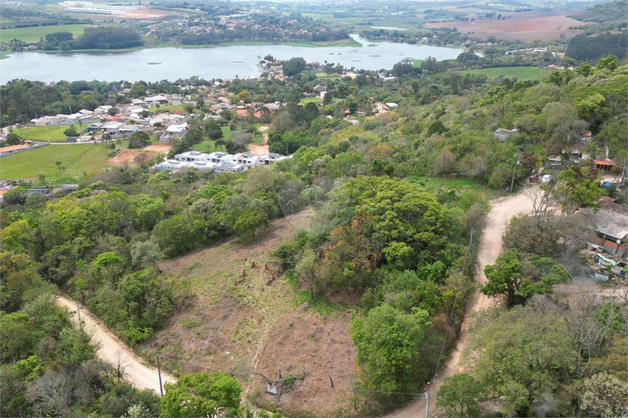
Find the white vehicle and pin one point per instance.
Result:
(546, 178)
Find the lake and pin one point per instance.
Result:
(218, 62)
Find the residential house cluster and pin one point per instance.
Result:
(219, 162)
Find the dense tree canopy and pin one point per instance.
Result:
(518, 278)
(201, 394)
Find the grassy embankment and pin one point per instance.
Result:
(77, 160)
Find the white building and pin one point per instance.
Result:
(155, 100)
(220, 162)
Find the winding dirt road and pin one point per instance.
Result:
(115, 352)
(502, 210)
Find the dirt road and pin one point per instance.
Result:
(490, 248)
(114, 351)
(261, 149)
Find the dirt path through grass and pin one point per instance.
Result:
(115, 352)
(502, 210)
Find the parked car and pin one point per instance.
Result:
(546, 178)
(534, 178)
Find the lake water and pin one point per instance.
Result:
(208, 63)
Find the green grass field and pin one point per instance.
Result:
(43, 133)
(522, 73)
(460, 184)
(33, 34)
(78, 160)
(307, 100)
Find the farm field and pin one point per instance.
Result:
(34, 34)
(77, 160)
(43, 133)
(257, 324)
(524, 26)
(522, 73)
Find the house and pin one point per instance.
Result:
(169, 165)
(603, 165)
(177, 130)
(128, 129)
(381, 107)
(191, 156)
(93, 127)
(611, 228)
(112, 128)
(155, 100)
(12, 149)
(268, 159)
(229, 167)
(553, 163)
(246, 158)
(503, 134)
(46, 121)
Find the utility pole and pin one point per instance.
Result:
(78, 311)
(161, 388)
(514, 170)
(427, 405)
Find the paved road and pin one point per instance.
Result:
(114, 351)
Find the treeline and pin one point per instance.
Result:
(601, 13)
(583, 48)
(248, 34)
(101, 37)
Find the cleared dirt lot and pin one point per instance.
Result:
(248, 323)
(524, 26)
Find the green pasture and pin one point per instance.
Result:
(35, 33)
(77, 159)
(44, 133)
(522, 73)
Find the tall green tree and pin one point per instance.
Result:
(394, 350)
(521, 355)
(518, 278)
(459, 396)
(200, 395)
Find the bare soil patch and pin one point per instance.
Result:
(145, 14)
(124, 157)
(241, 320)
(163, 148)
(261, 149)
(524, 26)
(258, 149)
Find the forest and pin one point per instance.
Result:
(381, 231)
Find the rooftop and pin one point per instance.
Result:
(611, 223)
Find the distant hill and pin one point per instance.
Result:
(602, 13)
